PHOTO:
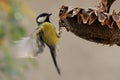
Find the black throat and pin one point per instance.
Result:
(47, 19)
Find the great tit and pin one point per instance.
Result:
(44, 34)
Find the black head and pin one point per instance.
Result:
(44, 17)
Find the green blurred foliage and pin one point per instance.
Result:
(2, 31)
(11, 29)
(10, 20)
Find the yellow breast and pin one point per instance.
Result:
(50, 34)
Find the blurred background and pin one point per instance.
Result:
(78, 59)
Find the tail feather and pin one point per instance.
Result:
(53, 54)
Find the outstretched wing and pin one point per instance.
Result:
(26, 47)
(29, 46)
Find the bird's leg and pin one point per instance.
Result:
(59, 32)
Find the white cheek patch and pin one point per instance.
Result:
(41, 19)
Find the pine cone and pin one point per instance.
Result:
(96, 25)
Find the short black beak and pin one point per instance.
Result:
(50, 14)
